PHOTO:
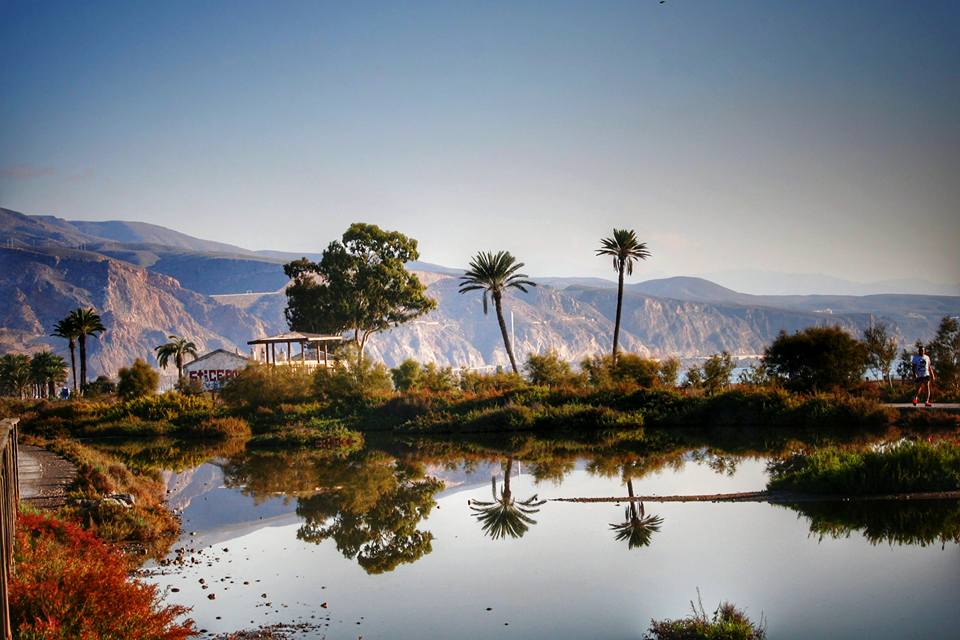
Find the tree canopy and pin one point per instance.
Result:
(816, 359)
(360, 285)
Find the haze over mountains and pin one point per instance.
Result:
(148, 282)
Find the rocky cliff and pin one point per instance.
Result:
(140, 308)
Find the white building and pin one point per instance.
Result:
(213, 368)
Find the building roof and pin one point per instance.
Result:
(296, 336)
(215, 352)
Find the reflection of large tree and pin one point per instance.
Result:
(371, 511)
(638, 528)
(505, 515)
(918, 522)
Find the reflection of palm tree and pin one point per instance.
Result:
(504, 515)
(638, 529)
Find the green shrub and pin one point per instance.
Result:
(817, 358)
(548, 370)
(726, 623)
(668, 371)
(436, 379)
(353, 387)
(487, 383)
(166, 406)
(405, 375)
(717, 371)
(903, 468)
(227, 427)
(268, 386)
(315, 434)
(631, 369)
(102, 386)
(139, 380)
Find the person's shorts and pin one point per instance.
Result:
(923, 379)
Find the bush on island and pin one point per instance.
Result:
(140, 379)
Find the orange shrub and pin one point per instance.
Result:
(69, 585)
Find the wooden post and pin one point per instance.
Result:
(10, 495)
(289, 349)
(325, 363)
(303, 352)
(318, 354)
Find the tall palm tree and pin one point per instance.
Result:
(504, 515)
(177, 348)
(47, 370)
(638, 528)
(88, 323)
(625, 249)
(494, 273)
(67, 328)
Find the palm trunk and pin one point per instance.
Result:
(616, 326)
(83, 362)
(506, 480)
(73, 363)
(503, 330)
(179, 368)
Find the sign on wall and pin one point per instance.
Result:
(214, 369)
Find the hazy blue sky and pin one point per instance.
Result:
(790, 136)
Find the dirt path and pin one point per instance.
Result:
(44, 477)
(773, 497)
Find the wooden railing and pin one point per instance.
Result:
(9, 497)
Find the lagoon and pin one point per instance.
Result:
(393, 555)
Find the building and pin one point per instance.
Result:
(313, 349)
(214, 368)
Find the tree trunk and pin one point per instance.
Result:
(73, 363)
(503, 330)
(616, 326)
(506, 480)
(83, 361)
(179, 367)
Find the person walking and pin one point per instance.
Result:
(923, 372)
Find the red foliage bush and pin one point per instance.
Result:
(70, 585)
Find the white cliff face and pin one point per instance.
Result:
(139, 308)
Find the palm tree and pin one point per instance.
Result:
(88, 323)
(14, 374)
(494, 273)
(46, 371)
(177, 348)
(67, 328)
(505, 516)
(638, 529)
(625, 249)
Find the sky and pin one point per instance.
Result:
(783, 136)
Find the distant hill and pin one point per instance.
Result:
(143, 233)
(775, 283)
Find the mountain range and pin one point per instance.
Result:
(148, 282)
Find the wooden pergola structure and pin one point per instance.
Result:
(306, 341)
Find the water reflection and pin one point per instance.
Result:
(505, 516)
(372, 504)
(638, 528)
(918, 522)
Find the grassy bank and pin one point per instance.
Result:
(902, 468)
(145, 527)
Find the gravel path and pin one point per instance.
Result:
(44, 477)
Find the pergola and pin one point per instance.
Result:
(305, 340)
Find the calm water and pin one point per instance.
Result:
(394, 554)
